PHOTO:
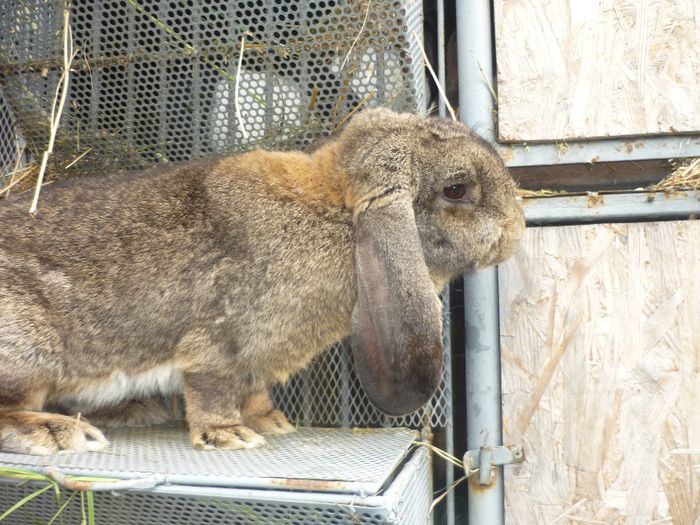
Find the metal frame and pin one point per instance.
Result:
(627, 207)
(483, 374)
(402, 500)
(601, 150)
(483, 370)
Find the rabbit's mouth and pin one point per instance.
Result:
(507, 242)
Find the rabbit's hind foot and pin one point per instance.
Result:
(274, 422)
(260, 415)
(43, 434)
(230, 437)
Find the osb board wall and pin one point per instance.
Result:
(600, 333)
(590, 68)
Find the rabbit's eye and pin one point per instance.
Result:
(455, 192)
(469, 194)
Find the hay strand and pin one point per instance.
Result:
(26, 172)
(236, 87)
(443, 95)
(442, 496)
(58, 104)
(362, 102)
(76, 159)
(357, 37)
(686, 176)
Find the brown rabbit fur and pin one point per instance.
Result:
(222, 277)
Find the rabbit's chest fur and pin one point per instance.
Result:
(165, 378)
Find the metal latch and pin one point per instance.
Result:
(483, 461)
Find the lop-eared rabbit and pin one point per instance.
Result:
(221, 277)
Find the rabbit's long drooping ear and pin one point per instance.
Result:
(397, 320)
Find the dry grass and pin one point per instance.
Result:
(530, 194)
(449, 458)
(58, 104)
(686, 176)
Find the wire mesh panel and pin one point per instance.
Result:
(325, 460)
(404, 500)
(8, 141)
(328, 393)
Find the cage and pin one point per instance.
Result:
(157, 81)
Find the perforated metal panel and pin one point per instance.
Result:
(325, 460)
(356, 469)
(155, 80)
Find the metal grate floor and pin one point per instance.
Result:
(356, 461)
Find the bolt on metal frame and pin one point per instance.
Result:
(483, 371)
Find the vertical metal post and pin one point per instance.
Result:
(483, 380)
(449, 424)
(442, 108)
(483, 374)
(442, 112)
(475, 62)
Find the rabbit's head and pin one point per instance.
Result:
(430, 200)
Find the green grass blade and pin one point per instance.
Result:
(90, 497)
(83, 521)
(60, 510)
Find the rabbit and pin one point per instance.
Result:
(222, 277)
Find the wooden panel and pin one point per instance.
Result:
(601, 374)
(591, 68)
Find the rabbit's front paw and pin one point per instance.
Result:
(230, 437)
(274, 422)
(42, 434)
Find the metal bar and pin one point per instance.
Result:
(357, 501)
(196, 99)
(483, 372)
(96, 76)
(622, 207)
(483, 380)
(449, 427)
(130, 73)
(475, 58)
(600, 150)
(442, 109)
(449, 424)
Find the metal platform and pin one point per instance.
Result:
(315, 475)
